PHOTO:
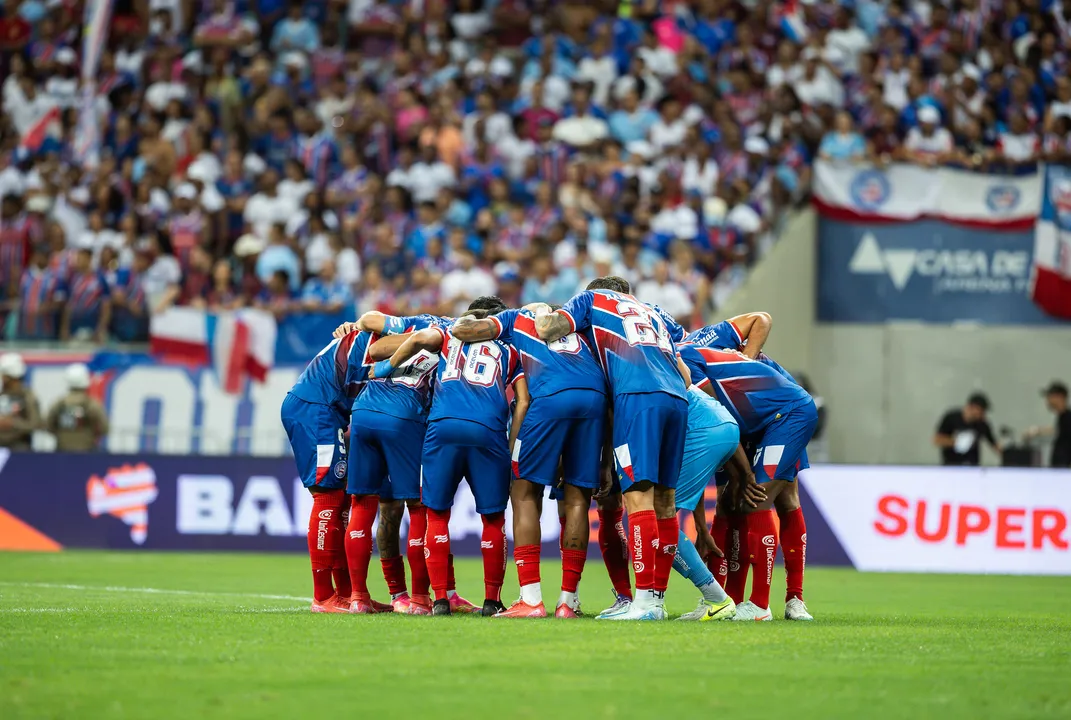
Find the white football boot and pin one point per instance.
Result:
(796, 609)
(748, 610)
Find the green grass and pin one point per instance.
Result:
(904, 646)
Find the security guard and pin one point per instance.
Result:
(77, 420)
(20, 413)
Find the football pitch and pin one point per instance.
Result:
(165, 635)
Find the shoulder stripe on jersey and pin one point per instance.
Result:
(442, 333)
(702, 383)
(498, 325)
(572, 322)
(739, 335)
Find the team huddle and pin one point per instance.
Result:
(604, 398)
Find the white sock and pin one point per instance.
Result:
(650, 597)
(570, 599)
(395, 596)
(532, 594)
(713, 592)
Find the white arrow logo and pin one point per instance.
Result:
(870, 259)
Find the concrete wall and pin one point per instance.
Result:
(886, 386)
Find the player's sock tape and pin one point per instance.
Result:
(383, 368)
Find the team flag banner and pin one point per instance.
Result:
(899, 193)
(1051, 281)
(98, 15)
(238, 343)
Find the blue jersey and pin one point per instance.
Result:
(472, 380)
(726, 336)
(752, 391)
(630, 341)
(337, 374)
(406, 392)
(674, 328)
(565, 364)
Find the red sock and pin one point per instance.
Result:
(340, 572)
(414, 552)
(493, 549)
(359, 541)
(736, 580)
(437, 552)
(719, 566)
(794, 550)
(527, 559)
(572, 568)
(325, 531)
(668, 531)
(761, 548)
(643, 529)
(451, 583)
(394, 574)
(614, 549)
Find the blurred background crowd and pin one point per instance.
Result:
(407, 156)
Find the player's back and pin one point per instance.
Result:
(630, 341)
(472, 381)
(406, 393)
(726, 336)
(563, 364)
(338, 373)
(755, 393)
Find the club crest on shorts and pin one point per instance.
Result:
(340, 469)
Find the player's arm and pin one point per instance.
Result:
(704, 541)
(469, 329)
(552, 326)
(742, 482)
(520, 407)
(606, 470)
(430, 340)
(683, 370)
(754, 329)
(386, 346)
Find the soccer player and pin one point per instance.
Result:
(314, 414)
(562, 428)
(650, 415)
(467, 438)
(748, 333)
(779, 417)
(386, 440)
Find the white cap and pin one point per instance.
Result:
(928, 114)
(756, 145)
(66, 56)
(247, 245)
(12, 365)
(186, 191)
(78, 376)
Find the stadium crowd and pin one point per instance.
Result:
(409, 156)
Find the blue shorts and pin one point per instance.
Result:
(708, 444)
(649, 431)
(317, 436)
(385, 456)
(781, 451)
(456, 449)
(567, 426)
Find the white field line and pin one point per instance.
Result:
(150, 591)
(241, 610)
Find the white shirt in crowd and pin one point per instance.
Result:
(823, 89)
(496, 126)
(665, 135)
(852, 43)
(778, 75)
(661, 60)
(261, 212)
(680, 222)
(464, 285)
(1018, 148)
(670, 296)
(295, 190)
(701, 175)
(162, 274)
(601, 72)
(500, 66)
(936, 144)
(515, 152)
(895, 87)
(427, 179)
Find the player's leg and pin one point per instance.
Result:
(534, 465)
(402, 441)
(367, 472)
(719, 530)
(613, 545)
(672, 425)
(442, 468)
(790, 516)
(388, 541)
(488, 473)
(418, 526)
(526, 499)
(705, 448)
(580, 472)
(759, 549)
(302, 420)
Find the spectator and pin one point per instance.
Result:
(295, 33)
(327, 292)
(961, 431)
(843, 143)
(77, 420)
(1056, 400)
(279, 256)
(666, 293)
(20, 413)
(544, 285)
(928, 144)
(87, 309)
(465, 283)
